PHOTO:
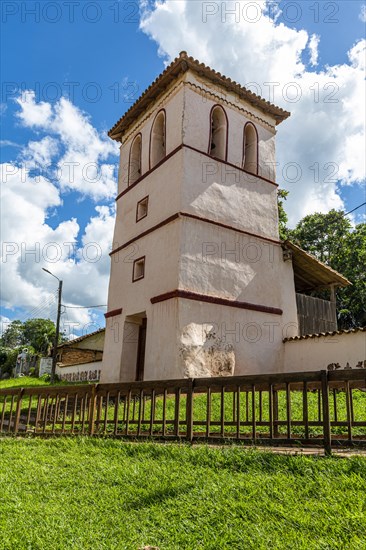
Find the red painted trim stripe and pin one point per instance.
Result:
(230, 164)
(186, 294)
(193, 217)
(149, 171)
(113, 313)
(172, 153)
(144, 233)
(226, 226)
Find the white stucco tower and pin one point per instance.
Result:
(199, 284)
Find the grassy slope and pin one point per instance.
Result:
(30, 381)
(94, 493)
(23, 382)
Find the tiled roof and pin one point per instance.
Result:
(180, 65)
(80, 338)
(311, 273)
(321, 334)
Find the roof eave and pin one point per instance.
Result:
(338, 278)
(180, 65)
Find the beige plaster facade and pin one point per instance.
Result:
(199, 284)
(319, 352)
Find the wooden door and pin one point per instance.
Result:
(141, 351)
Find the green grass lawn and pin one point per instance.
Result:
(30, 381)
(80, 493)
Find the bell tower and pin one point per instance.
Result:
(198, 283)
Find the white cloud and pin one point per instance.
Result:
(33, 114)
(324, 135)
(88, 159)
(28, 199)
(357, 55)
(8, 143)
(4, 323)
(30, 243)
(41, 153)
(313, 47)
(362, 15)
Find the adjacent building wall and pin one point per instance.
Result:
(317, 353)
(87, 372)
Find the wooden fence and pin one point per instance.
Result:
(310, 408)
(315, 315)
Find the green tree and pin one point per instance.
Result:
(282, 216)
(323, 235)
(8, 357)
(37, 333)
(12, 336)
(40, 334)
(350, 260)
(332, 239)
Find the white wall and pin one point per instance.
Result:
(191, 182)
(163, 186)
(256, 337)
(213, 190)
(227, 264)
(317, 353)
(200, 97)
(172, 102)
(87, 372)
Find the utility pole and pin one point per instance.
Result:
(54, 354)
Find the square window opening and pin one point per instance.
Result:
(142, 208)
(138, 269)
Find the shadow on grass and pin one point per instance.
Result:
(158, 496)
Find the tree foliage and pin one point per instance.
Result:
(40, 334)
(282, 216)
(37, 335)
(333, 240)
(13, 335)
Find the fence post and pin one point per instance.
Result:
(326, 415)
(189, 410)
(17, 411)
(92, 407)
(275, 413)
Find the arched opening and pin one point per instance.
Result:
(218, 136)
(134, 168)
(250, 161)
(157, 140)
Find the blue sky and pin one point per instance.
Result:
(97, 56)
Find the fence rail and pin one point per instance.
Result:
(309, 408)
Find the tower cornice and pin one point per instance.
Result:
(179, 66)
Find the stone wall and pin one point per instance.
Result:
(76, 356)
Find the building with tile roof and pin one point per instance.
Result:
(200, 283)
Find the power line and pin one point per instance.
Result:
(357, 207)
(43, 305)
(82, 307)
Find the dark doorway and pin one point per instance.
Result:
(141, 351)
